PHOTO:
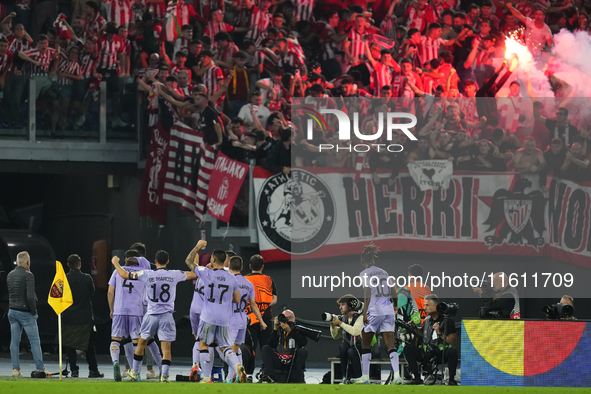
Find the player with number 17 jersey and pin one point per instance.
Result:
(218, 290)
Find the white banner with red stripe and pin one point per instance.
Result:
(189, 164)
(322, 212)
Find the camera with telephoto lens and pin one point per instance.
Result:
(309, 332)
(485, 313)
(409, 334)
(283, 319)
(448, 309)
(558, 311)
(306, 331)
(328, 317)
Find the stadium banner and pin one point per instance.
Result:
(189, 161)
(320, 212)
(524, 353)
(226, 181)
(431, 174)
(150, 202)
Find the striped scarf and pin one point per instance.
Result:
(236, 77)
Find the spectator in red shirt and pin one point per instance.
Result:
(95, 23)
(20, 40)
(225, 50)
(419, 15)
(126, 59)
(68, 72)
(11, 82)
(111, 55)
(217, 24)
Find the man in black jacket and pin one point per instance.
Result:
(78, 325)
(285, 350)
(487, 105)
(22, 313)
(279, 157)
(500, 299)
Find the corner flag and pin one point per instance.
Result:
(60, 294)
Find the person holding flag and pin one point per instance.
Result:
(79, 332)
(22, 313)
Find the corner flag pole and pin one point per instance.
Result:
(59, 333)
(60, 299)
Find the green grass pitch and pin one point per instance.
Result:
(53, 385)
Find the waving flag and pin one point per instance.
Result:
(171, 28)
(60, 294)
(189, 162)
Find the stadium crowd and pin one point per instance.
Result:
(255, 64)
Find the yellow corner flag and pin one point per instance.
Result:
(60, 295)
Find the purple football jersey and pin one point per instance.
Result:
(197, 302)
(377, 280)
(144, 263)
(246, 290)
(129, 294)
(160, 288)
(218, 289)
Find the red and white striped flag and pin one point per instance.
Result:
(359, 161)
(171, 27)
(189, 162)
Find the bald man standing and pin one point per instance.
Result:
(22, 313)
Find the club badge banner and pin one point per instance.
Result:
(322, 212)
(224, 186)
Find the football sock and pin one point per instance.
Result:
(115, 350)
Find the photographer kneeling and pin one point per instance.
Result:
(285, 350)
(348, 327)
(432, 333)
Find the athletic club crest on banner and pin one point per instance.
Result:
(517, 217)
(296, 212)
(517, 213)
